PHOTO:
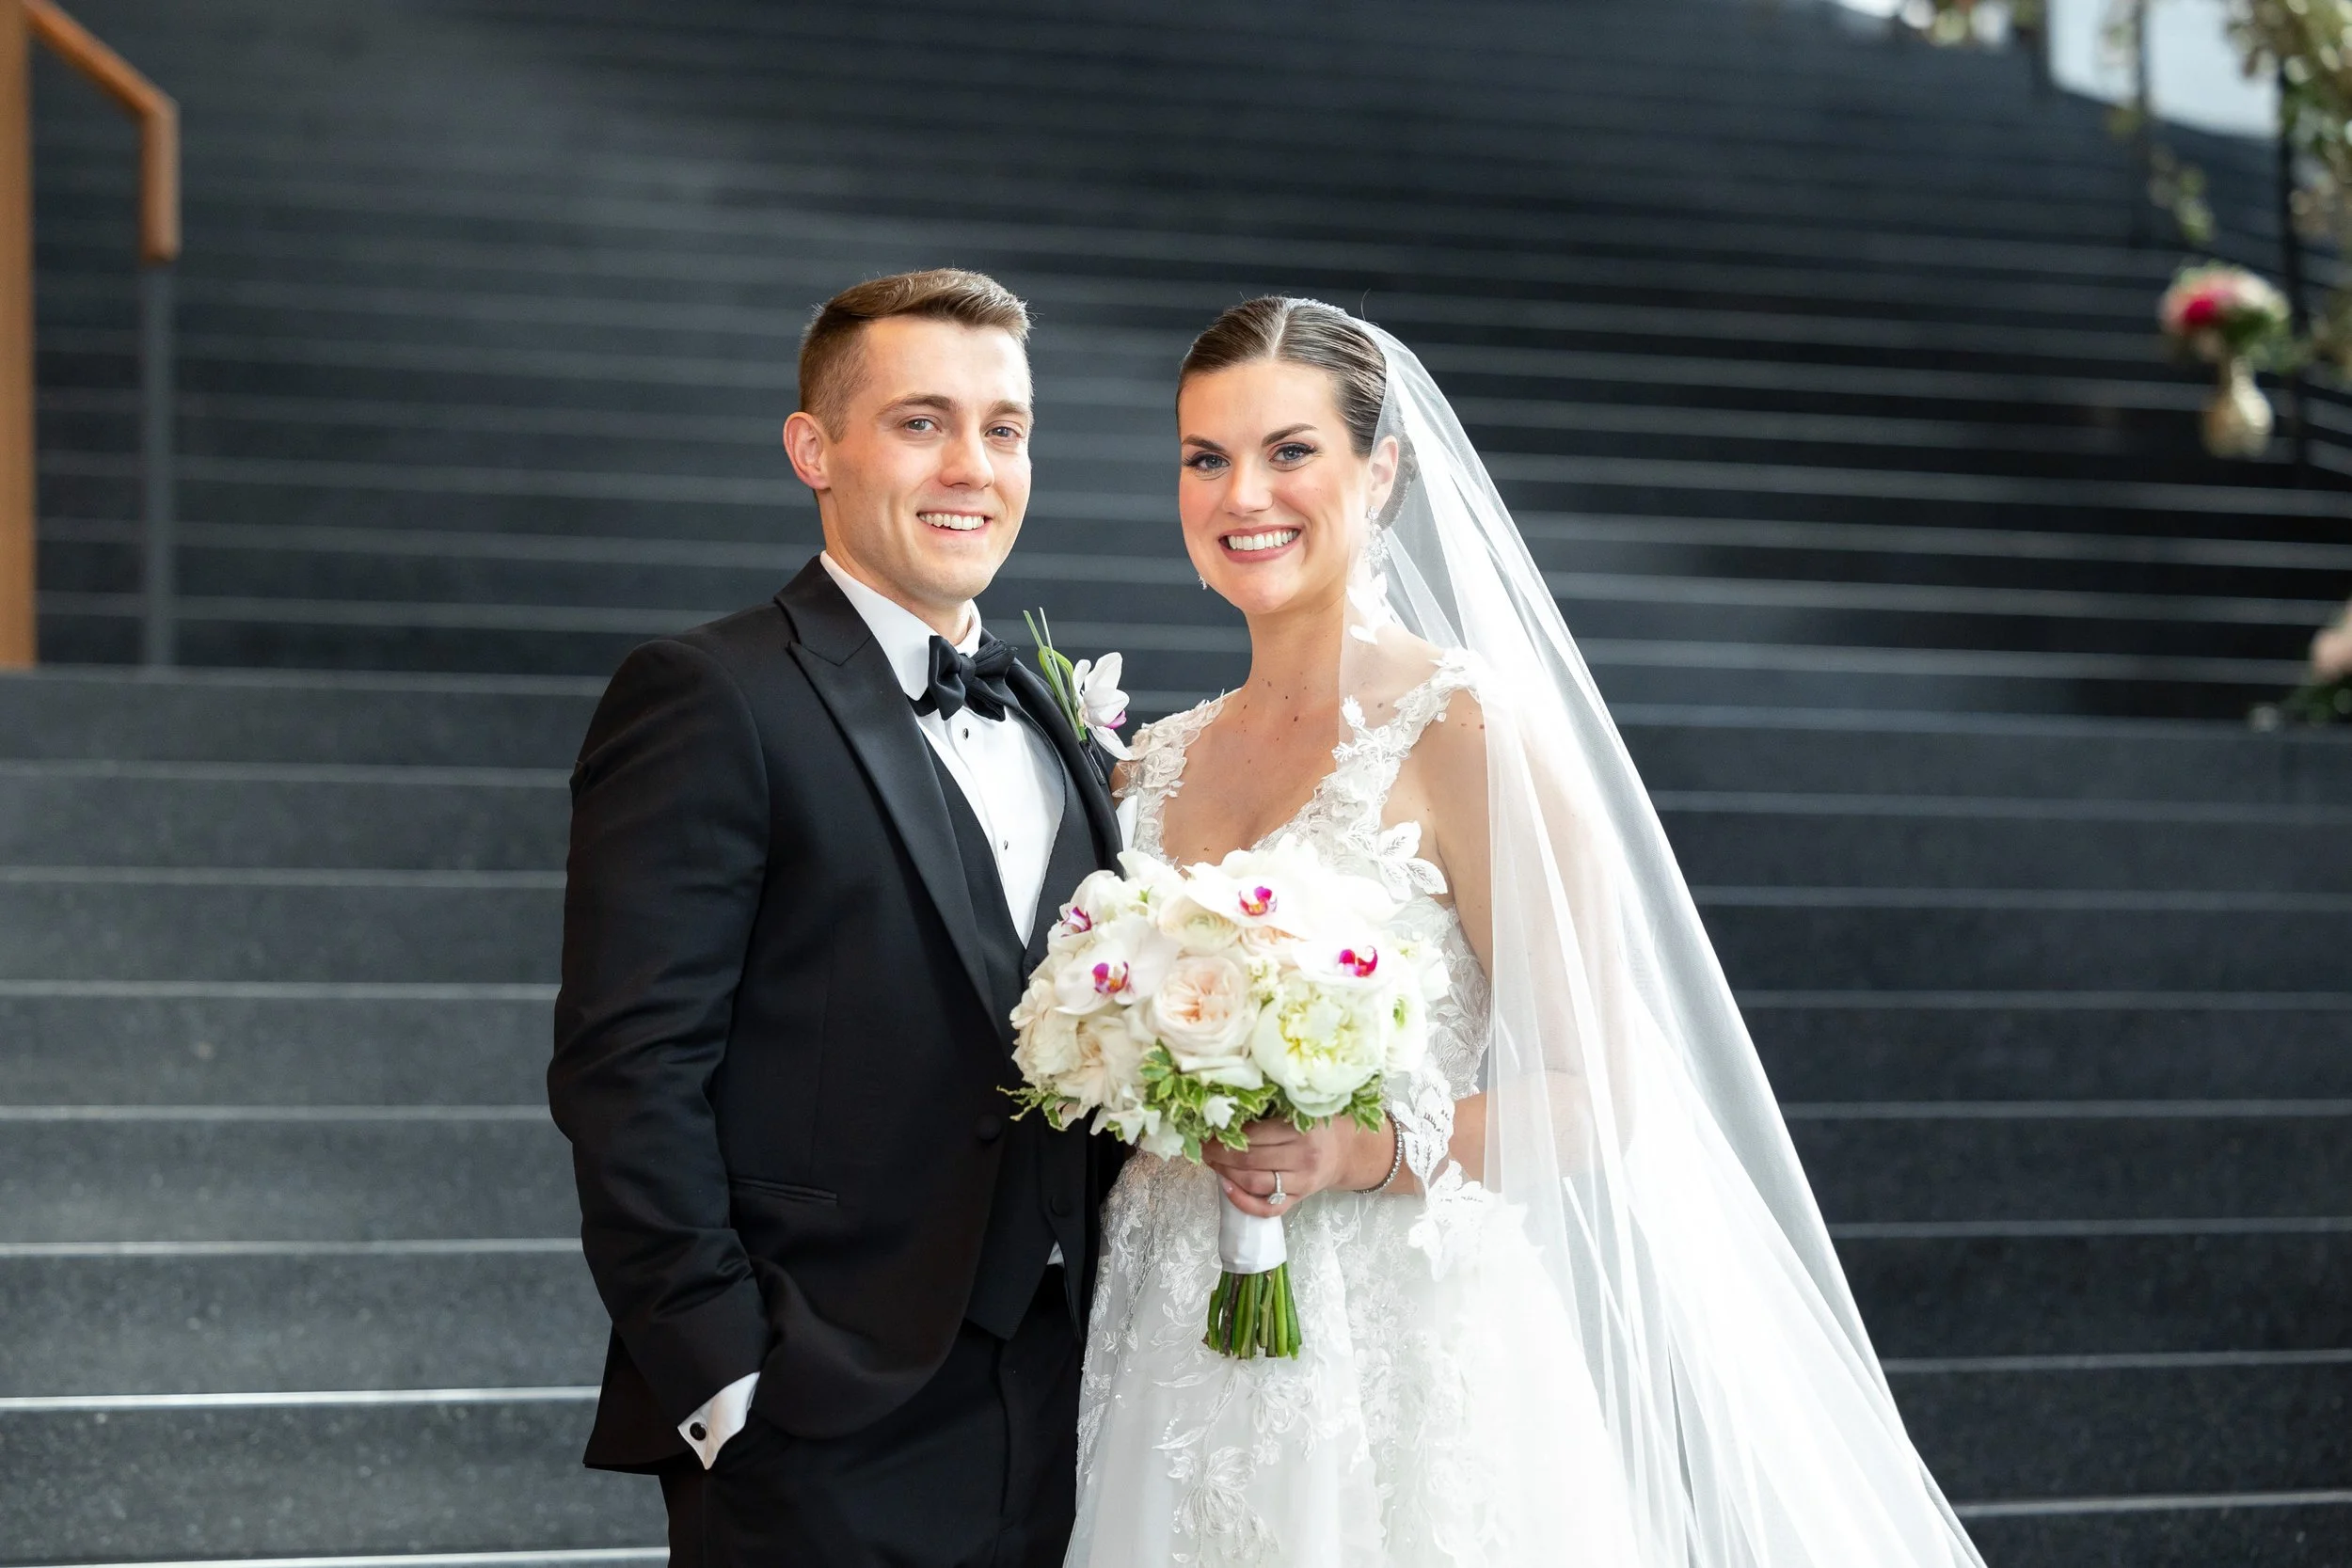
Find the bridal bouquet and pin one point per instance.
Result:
(1175, 1007)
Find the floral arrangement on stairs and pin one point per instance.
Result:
(2326, 698)
(2306, 45)
(2232, 319)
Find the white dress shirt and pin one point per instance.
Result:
(1011, 780)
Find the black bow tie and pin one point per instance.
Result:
(977, 681)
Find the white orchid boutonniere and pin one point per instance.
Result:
(1087, 690)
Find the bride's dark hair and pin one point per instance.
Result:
(1300, 332)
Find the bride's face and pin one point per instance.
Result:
(1273, 496)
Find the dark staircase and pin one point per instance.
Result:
(1819, 369)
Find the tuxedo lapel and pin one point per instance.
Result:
(855, 682)
(1094, 796)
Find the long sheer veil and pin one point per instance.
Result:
(1628, 1117)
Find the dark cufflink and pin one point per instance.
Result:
(698, 1432)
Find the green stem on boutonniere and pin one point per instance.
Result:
(1061, 676)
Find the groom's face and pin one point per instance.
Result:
(922, 488)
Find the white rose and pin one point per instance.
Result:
(1048, 1049)
(1036, 1001)
(1196, 928)
(1107, 1055)
(1320, 1044)
(1202, 1011)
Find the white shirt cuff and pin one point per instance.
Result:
(722, 1416)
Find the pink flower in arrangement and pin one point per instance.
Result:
(1359, 962)
(1257, 902)
(2221, 312)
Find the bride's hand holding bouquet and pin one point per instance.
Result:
(1179, 1008)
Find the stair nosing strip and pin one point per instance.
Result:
(2053, 1001)
(414, 1247)
(2153, 1503)
(1898, 1365)
(531, 1113)
(567, 1557)
(278, 991)
(2027, 1229)
(278, 876)
(2060, 1110)
(35, 1404)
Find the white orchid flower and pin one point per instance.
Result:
(1101, 702)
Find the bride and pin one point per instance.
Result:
(1572, 1302)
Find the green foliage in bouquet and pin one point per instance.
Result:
(1187, 1106)
(2319, 703)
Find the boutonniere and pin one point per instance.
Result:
(1087, 690)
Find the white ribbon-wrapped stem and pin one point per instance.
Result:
(1248, 1243)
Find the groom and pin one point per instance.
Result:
(816, 847)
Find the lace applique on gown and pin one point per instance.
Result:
(1438, 1414)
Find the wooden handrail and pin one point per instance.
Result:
(21, 20)
(157, 114)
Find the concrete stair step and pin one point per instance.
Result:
(179, 1043)
(359, 720)
(273, 1043)
(133, 1485)
(1877, 1167)
(2098, 1299)
(280, 815)
(2021, 1435)
(1866, 939)
(335, 1176)
(1828, 1047)
(257, 1323)
(161, 924)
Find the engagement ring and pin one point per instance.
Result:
(1279, 1196)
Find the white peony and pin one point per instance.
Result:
(1048, 1048)
(1107, 1057)
(1320, 1044)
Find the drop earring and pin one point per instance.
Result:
(1204, 581)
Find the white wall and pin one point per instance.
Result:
(2192, 70)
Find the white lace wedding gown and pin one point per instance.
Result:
(1439, 1411)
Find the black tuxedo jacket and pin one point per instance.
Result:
(780, 1041)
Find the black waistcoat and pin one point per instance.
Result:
(1042, 1178)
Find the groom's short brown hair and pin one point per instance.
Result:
(830, 356)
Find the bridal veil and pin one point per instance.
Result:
(1629, 1122)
